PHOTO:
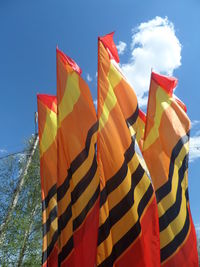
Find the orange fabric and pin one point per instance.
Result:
(78, 180)
(166, 143)
(127, 200)
(48, 173)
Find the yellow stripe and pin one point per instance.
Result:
(114, 76)
(168, 234)
(105, 249)
(78, 175)
(114, 79)
(140, 129)
(64, 202)
(127, 221)
(84, 198)
(51, 205)
(131, 217)
(50, 131)
(66, 234)
(122, 190)
(50, 233)
(85, 166)
(162, 103)
(170, 199)
(70, 97)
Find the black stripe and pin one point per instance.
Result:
(174, 210)
(187, 194)
(50, 194)
(168, 250)
(49, 249)
(118, 178)
(111, 185)
(84, 182)
(76, 223)
(75, 194)
(132, 119)
(51, 218)
(131, 235)
(65, 251)
(166, 188)
(81, 217)
(61, 191)
(64, 218)
(76, 163)
(117, 212)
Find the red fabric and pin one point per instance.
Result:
(67, 60)
(52, 259)
(69, 261)
(142, 115)
(187, 255)
(140, 254)
(49, 100)
(81, 254)
(108, 42)
(167, 83)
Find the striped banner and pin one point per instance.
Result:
(141, 122)
(128, 223)
(165, 150)
(78, 178)
(47, 124)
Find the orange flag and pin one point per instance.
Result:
(128, 225)
(165, 150)
(78, 178)
(47, 124)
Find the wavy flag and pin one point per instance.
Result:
(141, 122)
(128, 222)
(78, 178)
(47, 124)
(165, 150)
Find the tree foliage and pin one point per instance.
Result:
(21, 239)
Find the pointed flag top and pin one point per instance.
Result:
(167, 83)
(108, 42)
(49, 100)
(69, 61)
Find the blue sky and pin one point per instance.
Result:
(30, 31)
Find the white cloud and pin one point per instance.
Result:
(95, 103)
(121, 47)
(2, 151)
(154, 46)
(88, 77)
(194, 123)
(194, 148)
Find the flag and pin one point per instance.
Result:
(78, 177)
(128, 222)
(47, 124)
(165, 150)
(138, 128)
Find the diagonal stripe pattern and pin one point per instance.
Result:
(78, 177)
(166, 142)
(128, 223)
(47, 124)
